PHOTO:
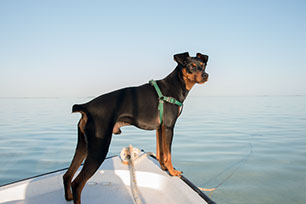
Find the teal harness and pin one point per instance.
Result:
(163, 98)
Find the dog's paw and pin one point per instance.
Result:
(69, 197)
(163, 167)
(175, 173)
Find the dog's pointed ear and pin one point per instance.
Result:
(181, 58)
(204, 58)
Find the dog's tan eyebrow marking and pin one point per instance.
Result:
(193, 64)
(201, 63)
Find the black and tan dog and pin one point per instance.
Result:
(136, 106)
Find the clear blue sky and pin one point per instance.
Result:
(61, 48)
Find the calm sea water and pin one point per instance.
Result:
(252, 148)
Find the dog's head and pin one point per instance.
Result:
(193, 68)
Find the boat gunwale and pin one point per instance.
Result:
(194, 188)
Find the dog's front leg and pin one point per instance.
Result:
(159, 148)
(167, 142)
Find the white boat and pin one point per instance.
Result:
(110, 184)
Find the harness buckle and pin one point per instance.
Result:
(171, 100)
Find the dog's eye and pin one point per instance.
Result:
(191, 68)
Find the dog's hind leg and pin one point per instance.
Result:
(97, 151)
(79, 156)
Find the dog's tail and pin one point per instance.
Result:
(77, 108)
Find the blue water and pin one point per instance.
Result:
(252, 148)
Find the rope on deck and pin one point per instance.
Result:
(129, 156)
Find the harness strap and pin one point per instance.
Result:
(163, 98)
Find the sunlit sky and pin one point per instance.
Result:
(74, 48)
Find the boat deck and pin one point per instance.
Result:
(110, 184)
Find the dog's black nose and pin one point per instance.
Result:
(205, 75)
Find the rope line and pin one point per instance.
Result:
(129, 156)
(133, 181)
(234, 167)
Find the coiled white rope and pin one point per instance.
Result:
(129, 155)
